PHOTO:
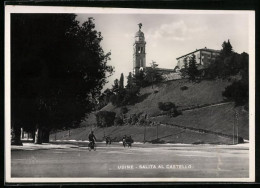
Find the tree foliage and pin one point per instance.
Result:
(121, 82)
(139, 79)
(105, 118)
(124, 110)
(118, 121)
(184, 69)
(152, 75)
(170, 108)
(192, 70)
(226, 50)
(115, 87)
(130, 81)
(166, 106)
(237, 92)
(228, 64)
(124, 96)
(58, 68)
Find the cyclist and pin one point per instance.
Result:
(130, 141)
(108, 140)
(92, 138)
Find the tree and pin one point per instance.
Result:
(56, 84)
(244, 67)
(166, 106)
(115, 87)
(192, 70)
(170, 108)
(130, 82)
(105, 118)
(152, 75)
(237, 92)
(185, 68)
(121, 82)
(139, 79)
(124, 110)
(225, 65)
(226, 50)
(118, 121)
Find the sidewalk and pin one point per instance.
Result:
(32, 146)
(75, 144)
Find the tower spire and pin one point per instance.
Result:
(139, 62)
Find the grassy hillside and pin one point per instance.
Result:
(205, 92)
(217, 118)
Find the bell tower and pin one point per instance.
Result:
(139, 51)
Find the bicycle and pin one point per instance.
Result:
(91, 146)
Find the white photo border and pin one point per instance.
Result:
(54, 9)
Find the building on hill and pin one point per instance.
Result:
(139, 55)
(204, 57)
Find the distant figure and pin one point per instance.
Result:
(129, 141)
(124, 140)
(108, 140)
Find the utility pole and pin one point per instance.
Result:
(236, 115)
(145, 117)
(157, 130)
(234, 127)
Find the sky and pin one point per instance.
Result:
(167, 36)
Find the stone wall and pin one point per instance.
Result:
(171, 76)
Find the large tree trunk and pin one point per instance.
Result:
(45, 136)
(38, 135)
(33, 136)
(22, 133)
(16, 135)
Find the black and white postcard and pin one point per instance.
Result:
(129, 95)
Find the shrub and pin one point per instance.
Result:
(238, 92)
(166, 106)
(134, 119)
(142, 121)
(118, 121)
(105, 118)
(170, 108)
(176, 113)
(129, 120)
(123, 110)
(184, 88)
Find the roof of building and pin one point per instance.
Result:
(162, 69)
(202, 49)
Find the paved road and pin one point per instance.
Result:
(176, 161)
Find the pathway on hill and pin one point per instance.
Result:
(195, 108)
(207, 106)
(204, 131)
